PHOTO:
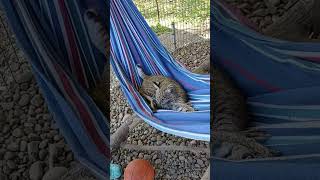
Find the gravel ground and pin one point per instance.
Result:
(27, 132)
(262, 12)
(168, 165)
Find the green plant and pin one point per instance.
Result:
(159, 29)
(190, 11)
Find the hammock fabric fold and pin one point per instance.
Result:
(65, 63)
(132, 43)
(282, 82)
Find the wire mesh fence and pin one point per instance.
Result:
(177, 22)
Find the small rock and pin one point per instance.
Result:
(193, 142)
(15, 176)
(181, 158)
(8, 155)
(43, 144)
(158, 161)
(7, 106)
(274, 2)
(2, 117)
(24, 77)
(17, 132)
(146, 156)
(14, 66)
(24, 100)
(36, 171)
(154, 157)
(55, 173)
(6, 129)
(43, 154)
(37, 128)
(33, 150)
(260, 12)
(34, 137)
(57, 137)
(69, 157)
(37, 100)
(28, 124)
(200, 162)
(11, 164)
(13, 146)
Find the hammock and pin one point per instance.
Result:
(132, 43)
(282, 82)
(65, 63)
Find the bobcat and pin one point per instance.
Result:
(99, 37)
(230, 138)
(163, 92)
(229, 135)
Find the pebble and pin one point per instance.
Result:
(274, 2)
(181, 158)
(2, 116)
(7, 106)
(55, 173)
(43, 154)
(11, 164)
(200, 162)
(8, 155)
(17, 132)
(43, 144)
(24, 100)
(37, 101)
(33, 150)
(13, 146)
(258, 10)
(23, 115)
(24, 77)
(158, 161)
(5, 129)
(36, 170)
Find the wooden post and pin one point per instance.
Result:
(174, 35)
(158, 11)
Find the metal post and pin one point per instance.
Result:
(174, 35)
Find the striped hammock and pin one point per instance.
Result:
(132, 43)
(65, 63)
(282, 82)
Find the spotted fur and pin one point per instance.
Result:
(163, 93)
(230, 137)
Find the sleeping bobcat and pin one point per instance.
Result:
(164, 93)
(229, 135)
(229, 138)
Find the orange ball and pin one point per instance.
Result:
(139, 169)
